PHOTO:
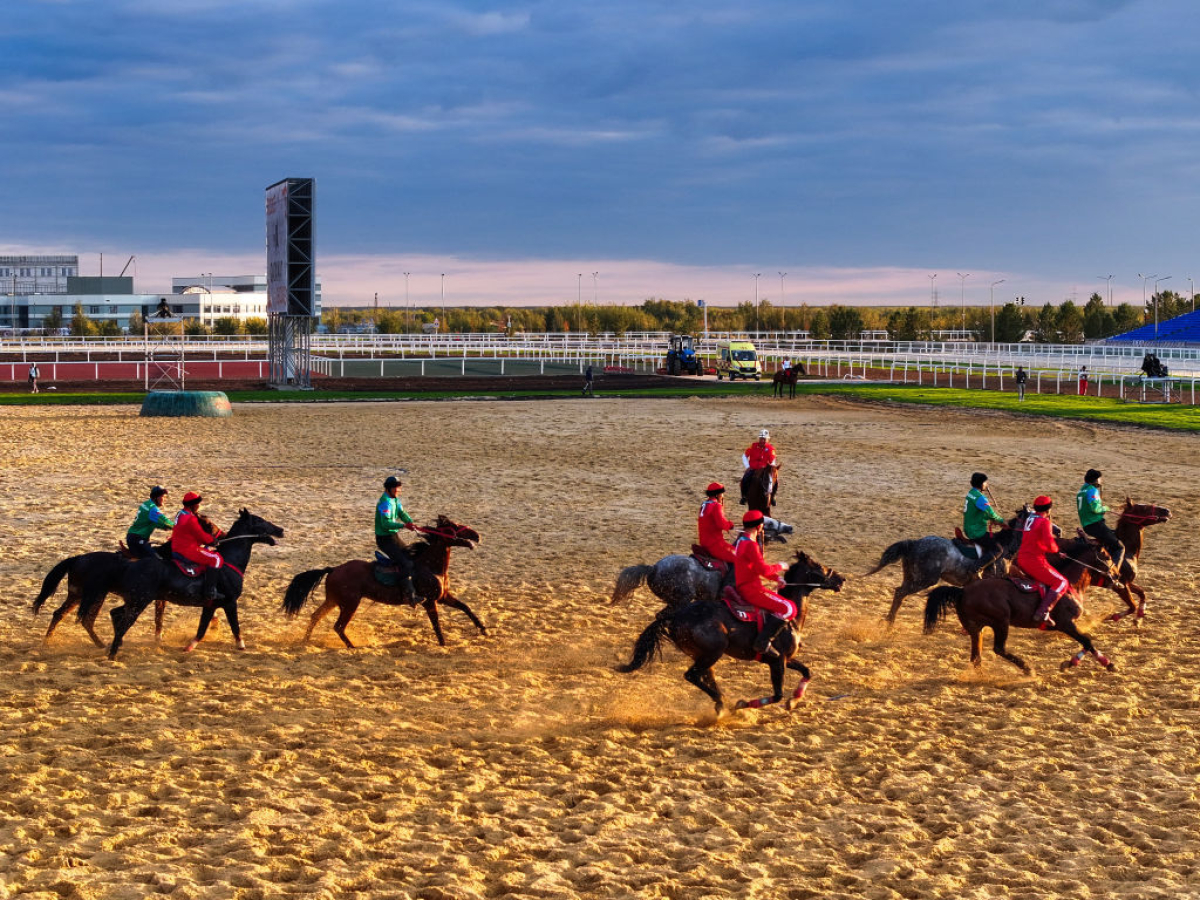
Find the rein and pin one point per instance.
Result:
(1138, 519)
(1080, 562)
(436, 532)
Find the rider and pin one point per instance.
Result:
(712, 524)
(190, 540)
(977, 513)
(1091, 517)
(749, 570)
(149, 517)
(759, 455)
(390, 517)
(1037, 542)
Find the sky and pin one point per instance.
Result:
(505, 152)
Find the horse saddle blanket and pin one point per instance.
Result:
(384, 570)
(969, 549)
(1024, 583)
(187, 567)
(742, 611)
(700, 555)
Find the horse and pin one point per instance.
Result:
(1133, 519)
(933, 558)
(678, 580)
(999, 604)
(350, 582)
(152, 579)
(758, 488)
(786, 377)
(706, 630)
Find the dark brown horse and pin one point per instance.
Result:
(998, 604)
(1133, 519)
(759, 486)
(786, 377)
(707, 630)
(350, 582)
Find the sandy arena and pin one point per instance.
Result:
(521, 764)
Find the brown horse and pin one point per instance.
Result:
(1133, 519)
(350, 582)
(998, 604)
(786, 377)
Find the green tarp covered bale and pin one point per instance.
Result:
(213, 404)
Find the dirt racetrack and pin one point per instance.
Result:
(521, 764)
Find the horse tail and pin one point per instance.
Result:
(892, 554)
(940, 599)
(51, 582)
(629, 581)
(647, 644)
(301, 589)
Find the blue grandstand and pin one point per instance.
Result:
(1183, 329)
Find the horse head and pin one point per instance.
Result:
(455, 535)
(247, 523)
(1144, 513)
(807, 572)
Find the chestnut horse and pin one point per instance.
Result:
(706, 630)
(786, 377)
(1133, 519)
(998, 604)
(350, 582)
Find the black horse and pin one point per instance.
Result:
(151, 579)
(707, 630)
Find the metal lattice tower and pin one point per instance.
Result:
(165, 350)
(291, 280)
(289, 350)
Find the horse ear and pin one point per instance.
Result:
(1128, 502)
(245, 514)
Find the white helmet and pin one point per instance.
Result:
(765, 434)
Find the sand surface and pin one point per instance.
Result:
(521, 764)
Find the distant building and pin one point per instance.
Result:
(37, 274)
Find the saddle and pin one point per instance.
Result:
(742, 611)
(187, 567)
(1024, 583)
(708, 561)
(965, 546)
(123, 550)
(385, 571)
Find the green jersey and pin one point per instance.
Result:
(1091, 507)
(149, 517)
(977, 512)
(390, 516)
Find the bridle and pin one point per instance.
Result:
(1141, 519)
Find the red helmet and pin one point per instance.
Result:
(752, 517)
(191, 497)
(1042, 501)
(715, 488)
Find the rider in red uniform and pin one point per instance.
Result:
(189, 540)
(712, 524)
(758, 455)
(1037, 541)
(749, 570)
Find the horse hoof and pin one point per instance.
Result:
(740, 705)
(190, 647)
(1065, 667)
(241, 645)
(1116, 617)
(1111, 667)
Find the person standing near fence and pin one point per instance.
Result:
(34, 374)
(1083, 381)
(1021, 377)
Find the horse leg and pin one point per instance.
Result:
(89, 624)
(345, 614)
(206, 616)
(906, 588)
(805, 677)
(160, 608)
(976, 633)
(776, 665)
(1085, 641)
(231, 616)
(69, 604)
(454, 603)
(701, 675)
(123, 617)
(432, 611)
(321, 612)
(999, 646)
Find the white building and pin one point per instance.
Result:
(36, 274)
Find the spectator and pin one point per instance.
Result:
(1022, 377)
(34, 374)
(1083, 381)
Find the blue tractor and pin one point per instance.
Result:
(681, 356)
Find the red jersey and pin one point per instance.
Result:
(759, 457)
(750, 568)
(712, 526)
(1037, 541)
(189, 537)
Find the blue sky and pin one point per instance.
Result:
(675, 148)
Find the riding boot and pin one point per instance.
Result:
(1042, 616)
(212, 591)
(771, 626)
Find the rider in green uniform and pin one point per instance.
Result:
(149, 517)
(1091, 517)
(390, 518)
(977, 514)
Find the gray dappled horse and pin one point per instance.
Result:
(679, 579)
(933, 558)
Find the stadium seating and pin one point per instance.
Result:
(1179, 330)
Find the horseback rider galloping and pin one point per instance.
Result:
(149, 517)
(712, 524)
(749, 570)
(759, 455)
(1037, 542)
(390, 518)
(1091, 517)
(977, 514)
(191, 541)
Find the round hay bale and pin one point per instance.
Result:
(213, 404)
